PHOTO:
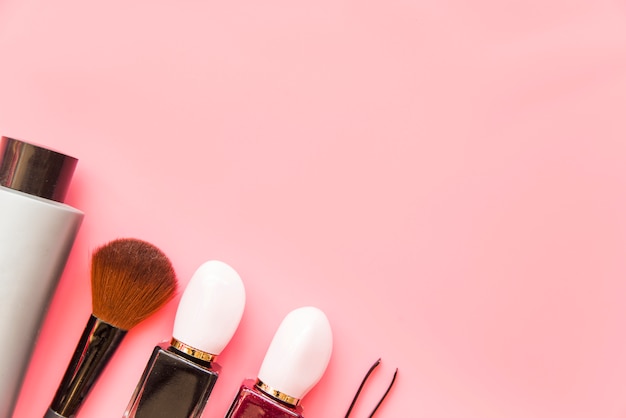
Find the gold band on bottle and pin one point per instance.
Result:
(193, 352)
(283, 397)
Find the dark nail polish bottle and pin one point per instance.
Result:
(294, 363)
(180, 376)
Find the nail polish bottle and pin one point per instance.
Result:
(37, 231)
(295, 361)
(180, 376)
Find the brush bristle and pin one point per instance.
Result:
(130, 280)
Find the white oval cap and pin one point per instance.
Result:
(299, 352)
(211, 307)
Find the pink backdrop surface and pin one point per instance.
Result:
(444, 178)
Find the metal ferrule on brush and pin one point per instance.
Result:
(95, 348)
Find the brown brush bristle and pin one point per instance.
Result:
(130, 280)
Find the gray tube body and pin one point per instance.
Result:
(36, 236)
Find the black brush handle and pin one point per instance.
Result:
(51, 414)
(94, 350)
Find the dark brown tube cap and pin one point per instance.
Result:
(35, 170)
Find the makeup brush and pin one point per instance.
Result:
(130, 280)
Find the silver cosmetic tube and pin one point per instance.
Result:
(37, 231)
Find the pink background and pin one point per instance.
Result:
(444, 178)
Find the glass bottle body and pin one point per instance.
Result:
(251, 402)
(173, 385)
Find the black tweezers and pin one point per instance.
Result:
(358, 392)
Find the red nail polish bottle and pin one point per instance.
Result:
(294, 363)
